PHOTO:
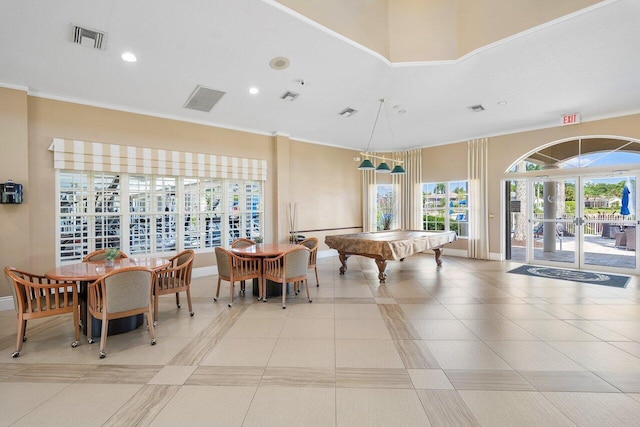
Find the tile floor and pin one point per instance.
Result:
(463, 344)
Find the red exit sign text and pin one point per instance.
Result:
(570, 119)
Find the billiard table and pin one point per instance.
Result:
(385, 246)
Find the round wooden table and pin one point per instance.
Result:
(87, 272)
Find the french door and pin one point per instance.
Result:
(584, 222)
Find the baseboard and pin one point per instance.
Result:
(204, 271)
(495, 256)
(6, 303)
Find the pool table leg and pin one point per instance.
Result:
(382, 265)
(343, 259)
(438, 253)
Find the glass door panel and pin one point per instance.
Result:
(553, 230)
(610, 222)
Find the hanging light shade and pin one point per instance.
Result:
(366, 165)
(398, 170)
(383, 167)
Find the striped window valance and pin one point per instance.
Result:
(96, 156)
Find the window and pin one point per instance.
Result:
(385, 207)
(165, 213)
(446, 207)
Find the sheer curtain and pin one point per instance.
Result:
(368, 201)
(478, 150)
(409, 190)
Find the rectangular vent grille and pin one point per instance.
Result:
(203, 99)
(476, 108)
(90, 38)
(347, 112)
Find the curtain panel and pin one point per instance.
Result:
(96, 156)
(409, 189)
(478, 151)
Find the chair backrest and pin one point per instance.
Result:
(178, 275)
(631, 238)
(127, 289)
(224, 261)
(183, 257)
(100, 255)
(312, 244)
(38, 295)
(296, 262)
(242, 243)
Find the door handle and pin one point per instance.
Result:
(579, 221)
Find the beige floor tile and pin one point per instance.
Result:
(473, 311)
(241, 352)
(362, 329)
(446, 408)
(520, 312)
(143, 353)
(103, 399)
(442, 330)
(600, 332)
(121, 374)
(357, 311)
(513, 408)
(627, 328)
(311, 311)
(554, 330)
(429, 379)
(318, 353)
(308, 328)
(415, 354)
(598, 356)
(19, 399)
(628, 382)
(498, 330)
(533, 356)
(352, 292)
(256, 328)
(173, 375)
(379, 407)
(50, 373)
(567, 381)
(488, 380)
(206, 405)
(226, 375)
(265, 311)
(426, 311)
(288, 406)
(367, 354)
(299, 377)
(383, 301)
(597, 409)
(372, 378)
(631, 347)
(466, 355)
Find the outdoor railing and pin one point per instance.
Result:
(591, 227)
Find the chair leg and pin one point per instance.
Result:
(22, 326)
(76, 326)
(152, 331)
(103, 337)
(284, 295)
(306, 285)
(317, 281)
(231, 283)
(155, 309)
(89, 325)
(178, 299)
(217, 290)
(189, 302)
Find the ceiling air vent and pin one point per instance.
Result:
(476, 108)
(289, 96)
(203, 99)
(347, 112)
(90, 38)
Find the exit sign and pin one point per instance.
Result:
(570, 119)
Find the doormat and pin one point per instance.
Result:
(604, 279)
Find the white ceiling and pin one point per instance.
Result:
(588, 62)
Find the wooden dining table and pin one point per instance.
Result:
(265, 250)
(84, 273)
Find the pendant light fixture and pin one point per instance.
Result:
(383, 167)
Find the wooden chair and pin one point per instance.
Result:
(312, 244)
(288, 267)
(36, 297)
(242, 242)
(234, 268)
(100, 255)
(173, 280)
(120, 293)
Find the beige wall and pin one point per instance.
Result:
(14, 219)
(431, 30)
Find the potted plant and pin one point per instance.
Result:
(258, 239)
(110, 255)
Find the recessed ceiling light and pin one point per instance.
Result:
(129, 57)
(253, 90)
